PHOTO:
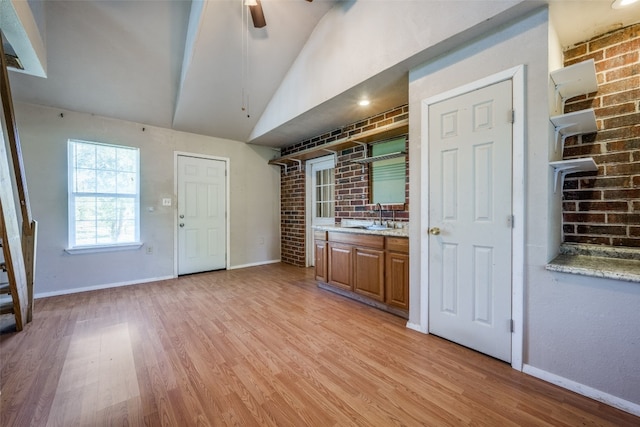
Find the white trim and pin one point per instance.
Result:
(99, 287)
(417, 327)
(517, 76)
(227, 170)
(254, 264)
(104, 248)
(585, 390)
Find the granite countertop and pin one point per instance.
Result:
(598, 261)
(357, 227)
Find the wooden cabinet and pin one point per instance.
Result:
(320, 245)
(368, 272)
(371, 268)
(340, 257)
(397, 272)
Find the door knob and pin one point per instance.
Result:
(434, 230)
(181, 224)
(181, 216)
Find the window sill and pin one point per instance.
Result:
(598, 261)
(104, 248)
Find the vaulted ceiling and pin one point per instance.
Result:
(201, 66)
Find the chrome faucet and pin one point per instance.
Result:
(379, 209)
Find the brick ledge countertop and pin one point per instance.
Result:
(598, 261)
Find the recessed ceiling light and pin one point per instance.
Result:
(619, 4)
(364, 102)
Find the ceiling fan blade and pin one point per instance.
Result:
(257, 15)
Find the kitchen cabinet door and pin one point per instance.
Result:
(321, 260)
(340, 264)
(397, 280)
(368, 273)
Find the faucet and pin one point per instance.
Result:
(379, 209)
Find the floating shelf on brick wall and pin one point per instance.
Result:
(576, 123)
(565, 167)
(392, 130)
(574, 80)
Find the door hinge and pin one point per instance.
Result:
(511, 220)
(512, 116)
(512, 325)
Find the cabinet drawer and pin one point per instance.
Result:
(320, 235)
(398, 244)
(366, 240)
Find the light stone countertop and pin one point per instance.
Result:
(355, 227)
(598, 261)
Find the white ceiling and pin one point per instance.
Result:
(126, 59)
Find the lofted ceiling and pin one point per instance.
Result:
(193, 68)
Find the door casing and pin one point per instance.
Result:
(517, 76)
(176, 154)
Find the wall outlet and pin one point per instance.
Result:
(149, 250)
(166, 202)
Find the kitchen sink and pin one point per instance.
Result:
(377, 227)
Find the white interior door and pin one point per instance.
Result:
(201, 214)
(470, 219)
(320, 197)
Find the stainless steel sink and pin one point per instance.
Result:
(377, 227)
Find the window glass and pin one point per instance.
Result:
(104, 195)
(388, 176)
(325, 190)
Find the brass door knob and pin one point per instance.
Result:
(434, 230)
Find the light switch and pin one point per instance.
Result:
(166, 202)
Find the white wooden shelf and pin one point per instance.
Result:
(576, 123)
(380, 157)
(565, 167)
(574, 80)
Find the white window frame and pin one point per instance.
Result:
(73, 248)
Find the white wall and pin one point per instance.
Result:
(254, 212)
(356, 40)
(579, 329)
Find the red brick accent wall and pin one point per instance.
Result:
(352, 185)
(292, 217)
(605, 208)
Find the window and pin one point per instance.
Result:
(104, 196)
(388, 176)
(324, 201)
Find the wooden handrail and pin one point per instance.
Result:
(28, 238)
(14, 145)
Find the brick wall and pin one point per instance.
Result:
(352, 185)
(292, 217)
(605, 208)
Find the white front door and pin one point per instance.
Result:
(201, 214)
(470, 219)
(320, 197)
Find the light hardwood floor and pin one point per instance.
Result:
(258, 346)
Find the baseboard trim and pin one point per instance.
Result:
(582, 389)
(416, 327)
(98, 287)
(254, 264)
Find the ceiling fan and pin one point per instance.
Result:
(257, 15)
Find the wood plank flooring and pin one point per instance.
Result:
(261, 346)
